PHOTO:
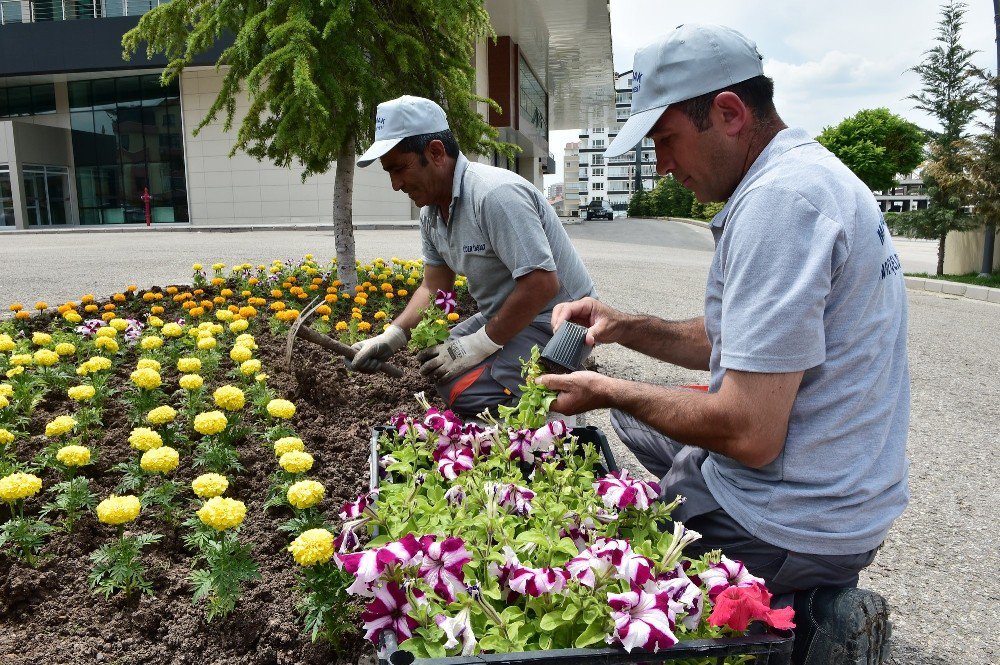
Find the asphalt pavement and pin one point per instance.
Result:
(938, 567)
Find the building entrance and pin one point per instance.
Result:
(46, 194)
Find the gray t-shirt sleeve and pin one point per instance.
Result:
(431, 255)
(512, 221)
(777, 283)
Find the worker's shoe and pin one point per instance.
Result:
(841, 626)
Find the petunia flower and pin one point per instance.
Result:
(544, 438)
(458, 626)
(685, 597)
(446, 300)
(577, 530)
(444, 423)
(515, 498)
(727, 573)
(389, 611)
(620, 491)
(456, 495)
(354, 509)
(520, 446)
(455, 461)
(441, 565)
(737, 606)
(538, 581)
(629, 565)
(642, 620)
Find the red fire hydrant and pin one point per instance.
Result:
(146, 198)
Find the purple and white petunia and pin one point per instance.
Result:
(727, 573)
(520, 446)
(389, 611)
(455, 461)
(642, 620)
(354, 509)
(515, 499)
(90, 326)
(456, 495)
(477, 438)
(629, 564)
(544, 438)
(458, 626)
(368, 566)
(444, 423)
(405, 425)
(446, 300)
(441, 565)
(620, 491)
(577, 530)
(503, 572)
(685, 597)
(588, 568)
(537, 581)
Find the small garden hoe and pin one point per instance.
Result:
(299, 329)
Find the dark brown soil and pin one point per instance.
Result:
(49, 615)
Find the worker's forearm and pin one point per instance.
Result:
(683, 343)
(529, 297)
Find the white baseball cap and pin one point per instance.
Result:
(693, 60)
(399, 118)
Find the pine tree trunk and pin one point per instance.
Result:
(343, 228)
(940, 265)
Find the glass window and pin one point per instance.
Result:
(43, 99)
(19, 101)
(79, 95)
(533, 100)
(6, 198)
(3, 103)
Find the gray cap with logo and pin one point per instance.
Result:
(693, 60)
(401, 118)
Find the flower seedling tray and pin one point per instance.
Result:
(770, 648)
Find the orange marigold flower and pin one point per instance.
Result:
(41, 305)
(226, 293)
(207, 304)
(277, 293)
(252, 281)
(22, 315)
(110, 307)
(131, 288)
(247, 312)
(196, 311)
(91, 308)
(218, 300)
(199, 292)
(323, 310)
(218, 281)
(331, 297)
(107, 316)
(187, 304)
(156, 309)
(118, 297)
(87, 299)
(277, 306)
(148, 296)
(16, 307)
(172, 290)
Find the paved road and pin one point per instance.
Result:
(939, 566)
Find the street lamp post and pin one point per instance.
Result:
(990, 238)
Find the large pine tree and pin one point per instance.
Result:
(314, 71)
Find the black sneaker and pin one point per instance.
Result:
(838, 626)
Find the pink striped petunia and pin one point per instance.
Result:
(455, 461)
(441, 565)
(642, 620)
(389, 611)
(727, 573)
(619, 490)
(537, 581)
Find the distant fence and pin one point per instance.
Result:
(37, 11)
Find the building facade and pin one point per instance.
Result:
(571, 180)
(909, 194)
(614, 180)
(87, 139)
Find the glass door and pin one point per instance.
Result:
(6, 198)
(46, 193)
(34, 198)
(58, 195)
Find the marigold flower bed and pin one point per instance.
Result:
(48, 610)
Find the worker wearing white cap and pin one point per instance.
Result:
(488, 224)
(793, 460)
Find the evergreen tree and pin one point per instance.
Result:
(950, 94)
(314, 72)
(670, 198)
(639, 204)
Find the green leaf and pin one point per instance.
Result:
(595, 633)
(551, 621)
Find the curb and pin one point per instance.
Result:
(971, 291)
(188, 228)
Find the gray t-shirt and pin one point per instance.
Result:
(805, 278)
(499, 228)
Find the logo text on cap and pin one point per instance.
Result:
(636, 81)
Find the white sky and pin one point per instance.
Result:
(828, 60)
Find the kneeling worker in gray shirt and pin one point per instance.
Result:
(488, 224)
(795, 458)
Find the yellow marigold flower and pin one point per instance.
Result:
(288, 444)
(81, 393)
(106, 343)
(106, 331)
(14, 371)
(118, 324)
(41, 339)
(239, 325)
(19, 486)
(148, 363)
(210, 422)
(72, 317)
(247, 340)
(6, 343)
(296, 461)
(221, 513)
(312, 547)
(209, 485)
(159, 460)
(364, 326)
(280, 408)
(98, 363)
(6, 436)
(74, 455)
(206, 343)
(224, 315)
(60, 425)
(118, 509)
(341, 326)
(229, 398)
(440, 322)
(379, 316)
(151, 342)
(191, 382)
(218, 266)
(248, 367)
(6, 390)
(305, 494)
(172, 330)
(453, 316)
(143, 439)
(188, 365)
(240, 353)
(196, 266)
(146, 378)
(356, 316)
(153, 320)
(22, 359)
(65, 349)
(46, 358)
(4, 402)
(161, 415)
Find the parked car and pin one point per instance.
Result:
(597, 210)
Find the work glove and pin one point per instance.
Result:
(378, 349)
(448, 361)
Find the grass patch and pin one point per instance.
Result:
(992, 281)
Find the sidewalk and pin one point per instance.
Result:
(972, 291)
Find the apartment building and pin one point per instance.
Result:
(571, 180)
(614, 180)
(85, 135)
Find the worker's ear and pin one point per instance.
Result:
(435, 152)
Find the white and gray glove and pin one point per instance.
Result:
(378, 349)
(447, 361)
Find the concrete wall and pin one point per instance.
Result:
(241, 190)
(963, 252)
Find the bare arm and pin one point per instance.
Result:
(683, 343)
(435, 277)
(746, 420)
(531, 294)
